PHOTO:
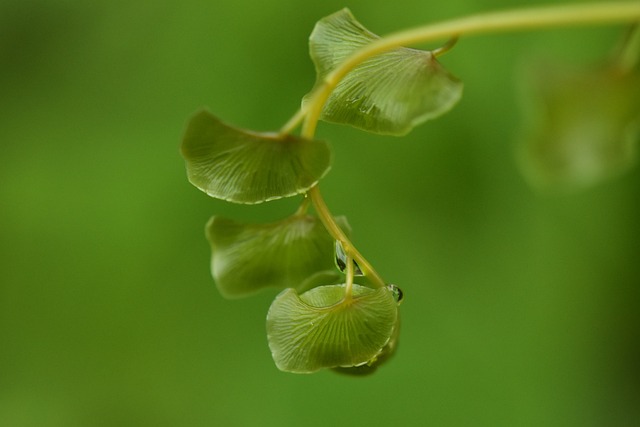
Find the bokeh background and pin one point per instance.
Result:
(521, 308)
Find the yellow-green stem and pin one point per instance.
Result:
(348, 287)
(495, 22)
(336, 232)
(445, 47)
(304, 206)
(512, 20)
(293, 122)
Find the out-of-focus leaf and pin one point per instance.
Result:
(246, 258)
(389, 93)
(319, 329)
(583, 127)
(247, 167)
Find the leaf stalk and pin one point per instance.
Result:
(492, 22)
(484, 23)
(336, 232)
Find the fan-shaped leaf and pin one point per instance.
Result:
(246, 167)
(246, 258)
(370, 367)
(389, 93)
(582, 128)
(319, 329)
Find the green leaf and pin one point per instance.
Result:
(319, 329)
(387, 352)
(582, 128)
(370, 367)
(246, 258)
(247, 167)
(389, 93)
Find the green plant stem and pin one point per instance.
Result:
(445, 47)
(300, 115)
(336, 232)
(293, 122)
(304, 206)
(348, 287)
(495, 22)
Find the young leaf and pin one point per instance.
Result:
(583, 127)
(246, 258)
(389, 93)
(320, 329)
(246, 167)
(370, 367)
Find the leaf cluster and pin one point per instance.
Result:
(333, 309)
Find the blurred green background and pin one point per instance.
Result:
(521, 309)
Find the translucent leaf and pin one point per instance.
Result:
(370, 367)
(387, 352)
(319, 329)
(246, 258)
(389, 93)
(246, 167)
(582, 127)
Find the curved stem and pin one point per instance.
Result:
(293, 122)
(304, 206)
(512, 20)
(445, 47)
(336, 232)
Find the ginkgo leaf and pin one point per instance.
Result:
(387, 352)
(321, 329)
(247, 167)
(583, 127)
(383, 357)
(389, 93)
(246, 258)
